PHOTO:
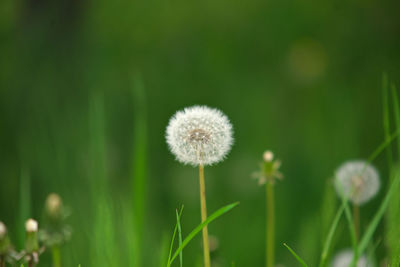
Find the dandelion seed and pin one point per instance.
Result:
(357, 180)
(345, 257)
(31, 226)
(199, 135)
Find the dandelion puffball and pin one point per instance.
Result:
(199, 135)
(357, 180)
(31, 226)
(345, 257)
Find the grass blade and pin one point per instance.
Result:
(352, 230)
(350, 222)
(196, 230)
(386, 118)
(164, 249)
(178, 223)
(172, 241)
(392, 218)
(24, 212)
(378, 216)
(396, 113)
(300, 260)
(383, 146)
(139, 171)
(329, 238)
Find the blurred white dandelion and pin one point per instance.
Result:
(199, 135)
(3, 230)
(345, 257)
(357, 180)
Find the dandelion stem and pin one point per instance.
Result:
(204, 216)
(356, 218)
(270, 224)
(56, 254)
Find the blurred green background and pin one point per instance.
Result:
(87, 89)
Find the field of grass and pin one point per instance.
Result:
(87, 89)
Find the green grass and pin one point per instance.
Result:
(24, 204)
(196, 230)
(178, 223)
(139, 167)
(298, 258)
(367, 238)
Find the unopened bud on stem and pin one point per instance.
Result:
(31, 226)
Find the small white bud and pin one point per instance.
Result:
(31, 226)
(268, 156)
(3, 230)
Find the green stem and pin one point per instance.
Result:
(356, 218)
(270, 224)
(206, 249)
(55, 251)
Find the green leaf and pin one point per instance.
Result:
(350, 223)
(164, 249)
(139, 172)
(178, 222)
(329, 238)
(300, 260)
(396, 112)
(386, 118)
(172, 241)
(196, 230)
(378, 216)
(352, 230)
(383, 146)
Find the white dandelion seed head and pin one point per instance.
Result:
(199, 135)
(357, 180)
(344, 258)
(3, 230)
(31, 226)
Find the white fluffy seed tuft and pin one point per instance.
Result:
(199, 135)
(357, 180)
(31, 226)
(344, 258)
